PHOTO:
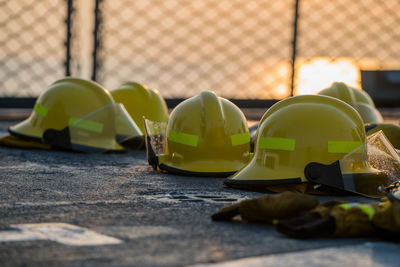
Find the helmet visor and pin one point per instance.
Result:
(155, 135)
(366, 170)
(155, 139)
(103, 130)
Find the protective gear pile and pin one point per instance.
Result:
(302, 216)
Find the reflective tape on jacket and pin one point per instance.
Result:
(277, 143)
(92, 126)
(240, 139)
(344, 147)
(40, 110)
(367, 209)
(183, 138)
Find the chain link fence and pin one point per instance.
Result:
(33, 41)
(239, 49)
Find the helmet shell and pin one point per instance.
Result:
(61, 103)
(67, 101)
(299, 130)
(141, 101)
(206, 134)
(358, 99)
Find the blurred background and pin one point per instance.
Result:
(254, 51)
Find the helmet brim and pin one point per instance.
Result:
(214, 168)
(184, 172)
(26, 131)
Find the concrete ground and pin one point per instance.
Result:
(157, 219)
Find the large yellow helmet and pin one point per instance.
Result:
(318, 139)
(77, 114)
(358, 99)
(141, 101)
(206, 135)
(297, 131)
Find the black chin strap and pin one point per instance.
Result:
(56, 138)
(330, 175)
(151, 155)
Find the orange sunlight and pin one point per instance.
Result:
(313, 75)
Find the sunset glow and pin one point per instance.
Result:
(316, 74)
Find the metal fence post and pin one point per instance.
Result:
(97, 39)
(294, 46)
(68, 21)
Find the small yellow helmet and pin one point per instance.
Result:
(77, 114)
(141, 101)
(358, 99)
(206, 135)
